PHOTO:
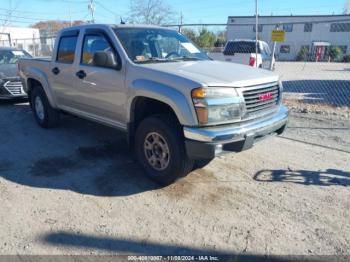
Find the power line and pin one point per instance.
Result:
(106, 9)
(272, 24)
(30, 12)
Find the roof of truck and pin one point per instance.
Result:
(115, 26)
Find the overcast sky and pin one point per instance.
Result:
(194, 11)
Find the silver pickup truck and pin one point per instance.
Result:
(179, 108)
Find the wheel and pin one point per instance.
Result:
(45, 115)
(160, 149)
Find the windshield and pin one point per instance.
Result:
(12, 56)
(157, 45)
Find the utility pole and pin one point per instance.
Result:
(91, 8)
(274, 50)
(256, 32)
(70, 15)
(181, 22)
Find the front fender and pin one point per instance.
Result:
(181, 105)
(38, 75)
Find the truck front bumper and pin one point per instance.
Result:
(209, 142)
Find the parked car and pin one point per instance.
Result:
(243, 51)
(178, 108)
(10, 84)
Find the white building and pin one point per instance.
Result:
(21, 37)
(316, 33)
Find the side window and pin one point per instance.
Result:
(66, 49)
(93, 44)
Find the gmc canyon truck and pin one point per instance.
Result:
(179, 108)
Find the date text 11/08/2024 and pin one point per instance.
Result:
(173, 258)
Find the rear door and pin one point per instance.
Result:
(100, 90)
(63, 68)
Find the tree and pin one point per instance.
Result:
(302, 54)
(190, 33)
(334, 53)
(154, 12)
(206, 38)
(346, 9)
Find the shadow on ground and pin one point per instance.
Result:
(331, 92)
(330, 177)
(128, 246)
(79, 155)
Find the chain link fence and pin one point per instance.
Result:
(313, 61)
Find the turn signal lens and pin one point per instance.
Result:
(198, 93)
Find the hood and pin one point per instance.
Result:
(8, 71)
(217, 73)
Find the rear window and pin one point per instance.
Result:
(66, 49)
(240, 47)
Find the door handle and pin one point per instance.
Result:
(81, 74)
(55, 70)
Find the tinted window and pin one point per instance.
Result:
(340, 27)
(93, 44)
(308, 27)
(66, 49)
(288, 27)
(285, 49)
(240, 47)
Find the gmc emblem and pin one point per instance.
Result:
(266, 96)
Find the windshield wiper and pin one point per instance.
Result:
(153, 60)
(187, 58)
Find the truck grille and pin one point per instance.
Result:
(14, 87)
(261, 99)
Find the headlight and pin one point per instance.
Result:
(217, 105)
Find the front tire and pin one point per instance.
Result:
(45, 115)
(159, 147)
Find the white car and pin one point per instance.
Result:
(242, 51)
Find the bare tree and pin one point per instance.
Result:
(346, 9)
(150, 12)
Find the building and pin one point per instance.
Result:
(314, 33)
(21, 37)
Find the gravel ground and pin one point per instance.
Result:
(77, 190)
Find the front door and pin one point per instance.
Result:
(101, 90)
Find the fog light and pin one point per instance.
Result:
(218, 149)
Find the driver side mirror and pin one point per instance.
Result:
(106, 59)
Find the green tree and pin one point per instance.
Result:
(334, 53)
(190, 33)
(302, 55)
(206, 38)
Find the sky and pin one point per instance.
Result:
(27, 12)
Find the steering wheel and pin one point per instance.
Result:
(174, 53)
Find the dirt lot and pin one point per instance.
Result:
(77, 190)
